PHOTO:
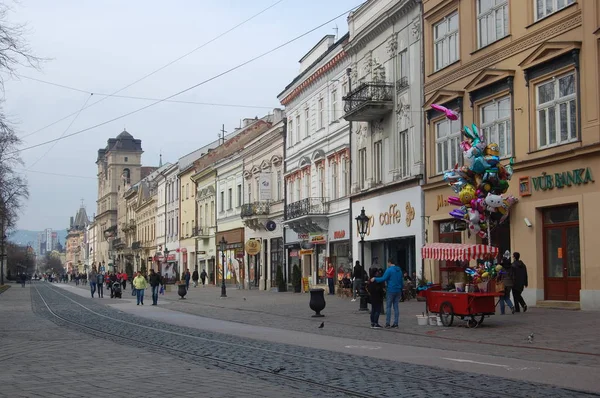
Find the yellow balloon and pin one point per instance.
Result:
(498, 267)
(485, 275)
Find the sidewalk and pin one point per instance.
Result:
(559, 336)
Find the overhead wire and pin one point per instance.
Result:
(161, 68)
(191, 87)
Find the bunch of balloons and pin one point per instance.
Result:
(483, 271)
(481, 183)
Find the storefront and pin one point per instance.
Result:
(234, 257)
(308, 251)
(395, 229)
(554, 227)
(339, 254)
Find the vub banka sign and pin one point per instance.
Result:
(561, 180)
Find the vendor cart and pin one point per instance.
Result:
(471, 307)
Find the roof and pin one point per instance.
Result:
(124, 136)
(81, 219)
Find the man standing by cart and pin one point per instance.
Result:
(395, 284)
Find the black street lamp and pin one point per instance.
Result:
(223, 244)
(362, 225)
(166, 251)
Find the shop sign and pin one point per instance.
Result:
(317, 238)
(293, 253)
(302, 236)
(339, 234)
(560, 180)
(304, 252)
(441, 202)
(393, 216)
(201, 252)
(253, 247)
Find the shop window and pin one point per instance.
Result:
(445, 36)
(559, 215)
(276, 258)
(496, 124)
(544, 8)
(556, 111)
(492, 21)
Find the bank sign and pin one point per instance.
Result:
(546, 182)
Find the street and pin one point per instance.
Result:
(72, 346)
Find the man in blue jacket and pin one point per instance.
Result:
(395, 284)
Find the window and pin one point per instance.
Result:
(496, 126)
(377, 162)
(182, 229)
(445, 36)
(401, 155)
(207, 222)
(345, 176)
(362, 167)
(306, 180)
(230, 198)
(403, 65)
(492, 21)
(334, 181)
(298, 192)
(187, 229)
(279, 185)
(187, 191)
(306, 122)
(182, 190)
(556, 111)
(212, 213)
(258, 189)
(322, 191)
(447, 138)
(543, 8)
(321, 115)
(239, 195)
(298, 125)
(290, 133)
(249, 193)
(334, 105)
(222, 204)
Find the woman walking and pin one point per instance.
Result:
(93, 278)
(507, 279)
(139, 283)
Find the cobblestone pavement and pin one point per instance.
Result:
(362, 375)
(41, 359)
(501, 335)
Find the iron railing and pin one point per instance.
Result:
(368, 92)
(255, 209)
(305, 207)
(402, 83)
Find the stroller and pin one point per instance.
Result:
(116, 291)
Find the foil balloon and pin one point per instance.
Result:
(493, 201)
(450, 114)
(467, 194)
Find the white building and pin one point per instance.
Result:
(263, 202)
(383, 106)
(317, 162)
(167, 215)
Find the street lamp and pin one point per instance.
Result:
(223, 244)
(166, 258)
(137, 262)
(362, 225)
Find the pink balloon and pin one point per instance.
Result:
(450, 114)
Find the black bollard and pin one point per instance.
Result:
(362, 292)
(317, 302)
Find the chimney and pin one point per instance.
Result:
(248, 121)
(71, 224)
(277, 115)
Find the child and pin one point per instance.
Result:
(376, 294)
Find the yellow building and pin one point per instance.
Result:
(517, 70)
(205, 187)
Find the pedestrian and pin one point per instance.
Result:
(23, 278)
(395, 284)
(357, 275)
(100, 283)
(330, 278)
(203, 276)
(93, 278)
(519, 282)
(112, 280)
(376, 293)
(155, 282)
(77, 277)
(124, 278)
(195, 277)
(506, 277)
(140, 284)
(187, 277)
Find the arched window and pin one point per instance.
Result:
(126, 176)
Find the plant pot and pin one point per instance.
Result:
(317, 302)
(181, 291)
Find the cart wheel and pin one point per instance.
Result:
(472, 323)
(480, 320)
(446, 313)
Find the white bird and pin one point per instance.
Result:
(530, 338)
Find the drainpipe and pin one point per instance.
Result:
(349, 183)
(285, 196)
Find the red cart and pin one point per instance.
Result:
(471, 307)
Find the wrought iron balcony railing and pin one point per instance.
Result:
(255, 209)
(203, 232)
(369, 101)
(306, 207)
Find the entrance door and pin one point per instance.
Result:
(562, 265)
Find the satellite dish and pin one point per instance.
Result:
(271, 226)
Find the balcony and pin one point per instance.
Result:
(136, 245)
(118, 244)
(369, 101)
(255, 209)
(202, 232)
(307, 215)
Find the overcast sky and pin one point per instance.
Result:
(102, 46)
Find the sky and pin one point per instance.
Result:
(103, 46)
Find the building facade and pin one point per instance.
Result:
(171, 240)
(75, 245)
(188, 217)
(205, 187)
(384, 108)
(520, 80)
(262, 199)
(317, 162)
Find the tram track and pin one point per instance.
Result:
(441, 382)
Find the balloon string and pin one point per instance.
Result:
(488, 232)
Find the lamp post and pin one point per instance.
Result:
(166, 251)
(137, 263)
(362, 224)
(223, 244)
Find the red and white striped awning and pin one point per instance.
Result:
(457, 251)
